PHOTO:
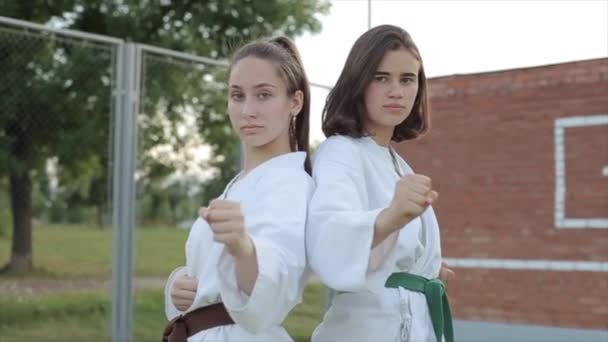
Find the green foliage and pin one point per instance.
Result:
(56, 94)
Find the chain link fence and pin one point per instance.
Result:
(54, 127)
(187, 152)
(85, 118)
(56, 117)
(98, 133)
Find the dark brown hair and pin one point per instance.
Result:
(345, 112)
(282, 52)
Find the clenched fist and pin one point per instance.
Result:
(446, 274)
(183, 292)
(228, 225)
(413, 194)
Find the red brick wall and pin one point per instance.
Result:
(491, 155)
(587, 155)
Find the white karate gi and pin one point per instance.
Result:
(274, 197)
(355, 180)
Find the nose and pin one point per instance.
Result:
(249, 109)
(395, 90)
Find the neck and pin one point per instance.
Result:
(381, 135)
(254, 156)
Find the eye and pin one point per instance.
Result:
(264, 95)
(236, 96)
(408, 80)
(381, 78)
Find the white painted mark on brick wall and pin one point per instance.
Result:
(529, 264)
(561, 221)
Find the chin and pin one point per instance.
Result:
(399, 119)
(391, 119)
(254, 141)
(393, 122)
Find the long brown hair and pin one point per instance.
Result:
(283, 53)
(345, 112)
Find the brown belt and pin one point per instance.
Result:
(184, 326)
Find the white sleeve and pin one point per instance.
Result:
(170, 310)
(196, 238)
(275, 219)
(340, 228)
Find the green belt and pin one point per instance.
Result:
(436, 298)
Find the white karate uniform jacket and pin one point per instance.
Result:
(355, 180)
(274, 198)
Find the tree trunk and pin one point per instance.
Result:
(21, 203)
(100, 215)
(20, 184)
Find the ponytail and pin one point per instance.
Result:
(300, 128)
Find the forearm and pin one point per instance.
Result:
(386, 223)
(247, 270)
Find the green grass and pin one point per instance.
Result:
(85, 252)
(307, 315)
(77, 252)
(86, 317)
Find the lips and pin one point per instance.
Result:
(394, 106)
(250, 129)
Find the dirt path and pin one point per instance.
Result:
(32, 286)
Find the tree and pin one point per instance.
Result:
(59, 108)
(51, 106)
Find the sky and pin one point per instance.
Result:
(459, 37)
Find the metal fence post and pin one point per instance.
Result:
(127, 71)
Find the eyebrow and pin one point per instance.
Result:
(384, 73)
(257, 86)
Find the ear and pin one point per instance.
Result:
(297, 101)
